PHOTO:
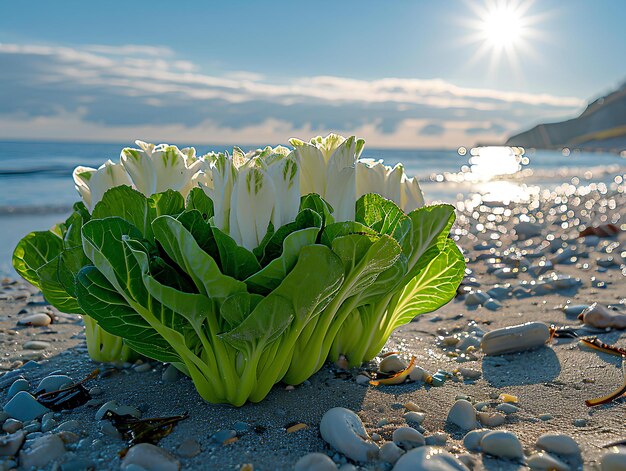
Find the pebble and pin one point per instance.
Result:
(575, 310)
(95, 391)
(491, 419)
(408, 438)
(558, 443)
(362, 380)
(18, 385)
(471, 441)
(36, 320)
(10, 444)
(546, 462)
(468, 341)
(143, 368)
(23, 406)
(43, 451)
(463, 415)
(475, 298)
(107, 428)
(499, 292)
(12, 425)
(418, 374)
(35, 345)
(150, 457)
(429, 459)
(119, 409)
(470, 373)
(54, 383)
(241, 427)
(437, 438)
(69, 425)
(222, 435)
(598, 315)
(546, 417)
(32, 427)
(580, 422)
(492, 304)
(392, 364)
(48, 424)
(507, 408)
(414, 417)
(170, 374)
(516, 338)
(315, 462)
(502, 444)
(343, 430)
(411, 406)
(614, 460)
(390, 452)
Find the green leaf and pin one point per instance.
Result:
(126, 203)
(198, 199)
(236, 308)
(339, 229)
(236, 261)
(167, 202)
(52, 289)
(34, 251)
(71, 261)
(382, 215)
(195, 223)
(316, 203)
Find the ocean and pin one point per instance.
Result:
(36, 187)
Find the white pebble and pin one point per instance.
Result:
(558, 443)
(413, 417)
(517, 338)
(502, 444)
(344, 431)
(614, 460)
(429, 459)
(546, 462)
(390, 452)
(150, 457)
(471, 441)
(43, 451)
(491, 419)
(463, 415)
(36, 320)
(392, 364)
(315, 462)
(408, 438)
(418, 374)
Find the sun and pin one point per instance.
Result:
(502, 26)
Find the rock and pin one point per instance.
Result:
(170, 374)
(48, 424)
(463, 415)
(343, 430)
(507, 408)
(107, 428)
(471, 441)
(69, 425)
(437, 439)
(429, 459)
(189, 448)
(546, 462)
(408, 438)
(392, 364)
(470, 373)
(526, 230)
(118, 409)
(150, 457)
(575, 310)
(315, 462)
(492, 304)
(502, 444)
(506, 273)
(35, 345)
(580, 422)
(499, 292)
(614, 460)
(363, 380)
(558, 443)
(475, 298)
(18, 385)
(390, 452)
(491, 420)
(23, 406)
(223, 435)
(68, 437)
(143, 368)
(414, 417)
(467, 341)
(12, 425)
(602, 317)
(411, 406)
(54, 383)
(43, 451)
(418, 374)
(36, 320)
(10, 444)
(517, 338)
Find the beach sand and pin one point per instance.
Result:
(551, 382)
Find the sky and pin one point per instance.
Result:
(434, 74)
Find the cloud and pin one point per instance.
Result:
(110, 92)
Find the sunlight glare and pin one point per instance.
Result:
(502, 25)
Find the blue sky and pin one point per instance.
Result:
(401, 73)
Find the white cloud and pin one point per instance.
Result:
(109, 92)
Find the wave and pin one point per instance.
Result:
(34, 210)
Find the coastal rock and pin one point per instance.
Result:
(507, 408)
(463, 415)
(414, 417)
(35, 320)
(12, 425)
(437, 439)
(614, 460)
(54, 383)
(546, 462)
(408, 438)
(43, 451)
(189, 448)
(471, 441)
(36, 345)
(23, 406)
(343, 430)
(418, 374)
(517, 338)
(18, 385)
(491, 420)
(392, 364)
(558, 443)
(429, 459)
(475, 298)
(470, 373)
(150, 457)
(315, 462)
(390, 452)
(10, 444)
(502, 444)
(170, 374)
(598, 315)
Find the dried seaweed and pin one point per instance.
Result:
(69, 397)
(395, 378)
(612, 396)
(597, 344)
(143, 430)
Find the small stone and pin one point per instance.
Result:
(68, 437)
(23, 406)
(362, 380)
(343, 430)
(150, 457)
(492, 304)
(223, 435)
(10, 444)
(143, 368)
(475, 298)
(36, 320)
(546, 417)
(508, 398)
(54, 383)
(418, 374)
(43, 451)
(614, 460)
(408, 438)
(437, 439)
(411, 406)
(376, 437)
(95, 391)
(241, 427)
(107, 428)
(315, 462)
(18, 385)
(68, 425)
(35, 345)
(392, 364)
(516, 338)
(12, 425)
(189, 448)
(48, 424)
(414, 417)
(502, 444)
(470, 373)
(558, 443)
(546, 462)
(471, 441)
(580, 422)
(598, 315)
(429, 459)
(390, 452)
(170, 374)
(507, 408)
(491, 420)
(463, 415)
